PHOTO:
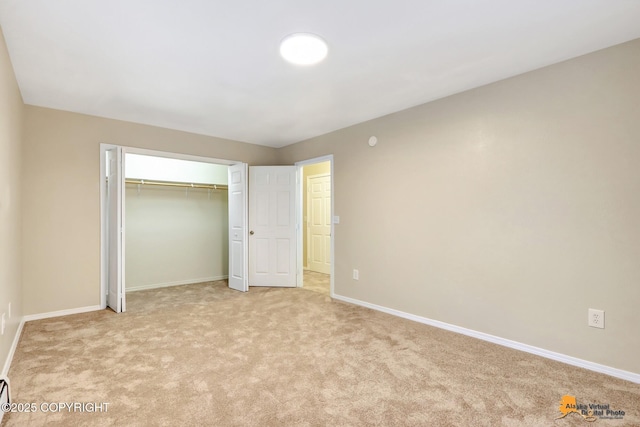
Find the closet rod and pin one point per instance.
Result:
(175, 184)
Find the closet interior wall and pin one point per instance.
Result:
(175, 235)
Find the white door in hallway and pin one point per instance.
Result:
(319, 223)
(272, 225)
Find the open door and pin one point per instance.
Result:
(115, 230)
(272, 225)
(237, 181)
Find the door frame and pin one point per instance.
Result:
(299, 218)
(104, 238)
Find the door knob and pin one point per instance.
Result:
(251, 232)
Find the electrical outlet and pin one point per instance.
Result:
(356, 275)
(596, 318)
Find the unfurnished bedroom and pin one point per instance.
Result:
(407, 213)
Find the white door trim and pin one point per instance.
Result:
(300, 165)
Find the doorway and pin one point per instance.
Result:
(113, 213)
(317, 224)
(176, 222)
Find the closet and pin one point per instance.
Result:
(176, 222)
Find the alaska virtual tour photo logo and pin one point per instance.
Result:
(589, 411)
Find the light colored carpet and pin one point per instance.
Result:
(204, 355)
(316, 282)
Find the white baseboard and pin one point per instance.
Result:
(59, 313)
(12, 350)
(135, 288)
(574, 361)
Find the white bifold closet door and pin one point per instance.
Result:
(237, 182)
(115, 230)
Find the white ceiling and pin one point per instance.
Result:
(213, 67)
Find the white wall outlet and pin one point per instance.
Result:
(596, 318)
(356, 275)
(4, 315)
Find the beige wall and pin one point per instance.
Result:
(61, 199)
(510, 209)
(11, 120)
(307, 171)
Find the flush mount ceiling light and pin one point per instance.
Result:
(303, 49)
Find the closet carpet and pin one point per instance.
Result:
(204, 355)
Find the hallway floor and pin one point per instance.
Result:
(316, 282)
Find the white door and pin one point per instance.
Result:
(272, 225)
(319, 223)
(237, 180)
(115, 230)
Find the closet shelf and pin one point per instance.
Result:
(176, 184)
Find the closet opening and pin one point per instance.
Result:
(176, 222)
(165, 221)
